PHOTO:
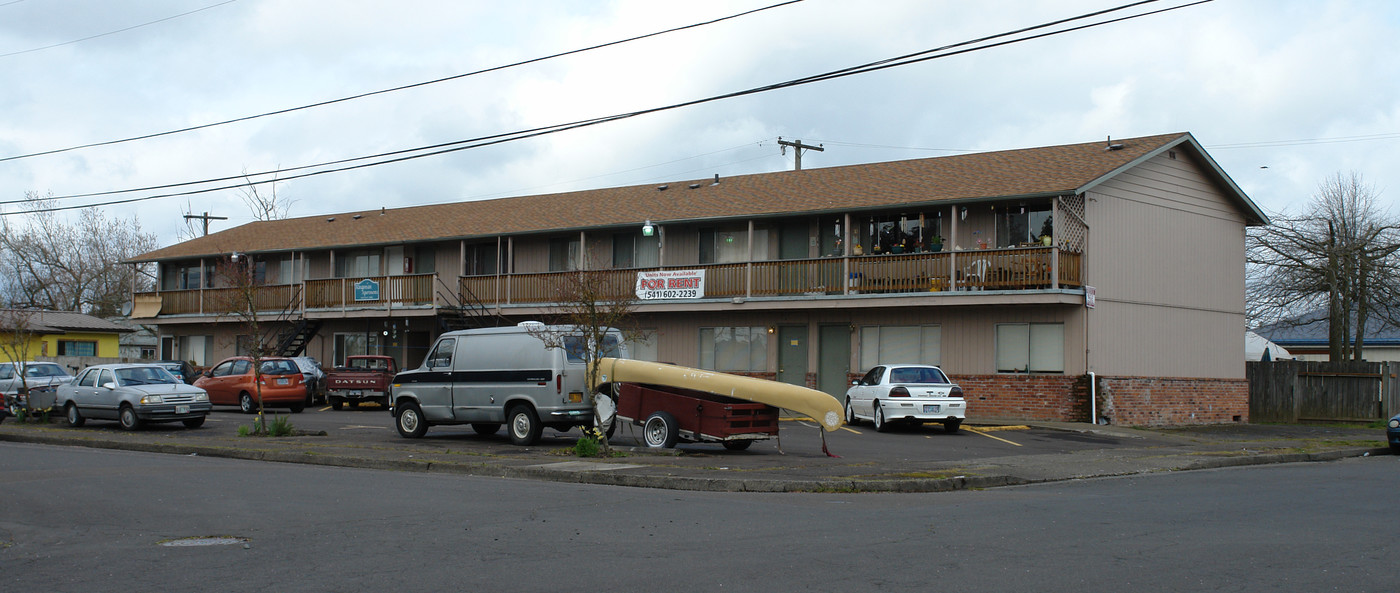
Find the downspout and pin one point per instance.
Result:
(1093, 399)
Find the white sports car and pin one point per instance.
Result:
(913, 393)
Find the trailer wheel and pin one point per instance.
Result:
(524, 425)
(737, 445)
(660, 430)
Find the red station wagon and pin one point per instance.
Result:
(230, 383)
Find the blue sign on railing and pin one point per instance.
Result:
(366, 290)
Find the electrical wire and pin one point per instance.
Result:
(91, 37)
(397, 88)
(398, 156)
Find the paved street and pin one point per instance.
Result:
(85, 520)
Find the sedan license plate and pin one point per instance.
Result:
(932, 408)
(182, 409)
(284, 381)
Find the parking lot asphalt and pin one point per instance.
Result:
(912, 460)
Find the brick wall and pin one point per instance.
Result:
(1128, 401)
(1056, 398)
(1147, 401)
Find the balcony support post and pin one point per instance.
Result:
(846, 254)
(748, 265)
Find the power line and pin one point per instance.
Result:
(397, 88)
(479, 142)
(91, 37)
(1304, 141)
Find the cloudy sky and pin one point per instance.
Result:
(1282, 93)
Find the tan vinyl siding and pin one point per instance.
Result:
(1166, 253)
(531, 256)
(682, 246)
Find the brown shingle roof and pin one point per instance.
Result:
(1024, 172)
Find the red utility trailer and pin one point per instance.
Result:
(671, 414)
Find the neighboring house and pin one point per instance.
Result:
(1257, 348)
(1023, 273)
(141, 343)
(1306, 338)
(59, 335)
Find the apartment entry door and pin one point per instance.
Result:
(834, 359)
(792, 354)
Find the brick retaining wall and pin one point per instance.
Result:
(1128, 401)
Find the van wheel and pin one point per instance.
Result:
(486, 429)
(410, 421)
(525, 427)
(660, 430)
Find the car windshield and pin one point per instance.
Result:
(917, 375)
(144, 376)
(44, 370)
(280, 367)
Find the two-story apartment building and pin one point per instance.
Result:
(1036, 277)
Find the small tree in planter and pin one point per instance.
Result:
(17, 335)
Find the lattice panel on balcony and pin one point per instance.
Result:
(1070, 229)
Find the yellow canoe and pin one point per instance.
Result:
(815, 404)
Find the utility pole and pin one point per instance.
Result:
(798, 147)
(206, 218)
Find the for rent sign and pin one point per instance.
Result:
(671, 284)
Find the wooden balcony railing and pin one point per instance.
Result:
(1029, 268)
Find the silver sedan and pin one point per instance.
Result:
(133, 395)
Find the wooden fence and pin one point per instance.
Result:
(1300, 391)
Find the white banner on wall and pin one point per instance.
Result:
(671, 284)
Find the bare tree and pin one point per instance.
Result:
(17, 335)
(588, 305)
(264, 201)
(53, 263)
(238, 299)
(1335, 257)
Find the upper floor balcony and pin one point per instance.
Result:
(1015, 270)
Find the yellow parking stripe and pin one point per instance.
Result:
(983, 432)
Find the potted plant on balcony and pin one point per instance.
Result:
(935, 243)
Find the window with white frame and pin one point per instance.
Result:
(734, 349)
(900, 344)
(1030, 347)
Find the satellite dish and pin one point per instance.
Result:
(126, 309)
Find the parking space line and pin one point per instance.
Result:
(983, 432)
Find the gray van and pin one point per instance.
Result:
(494, 376)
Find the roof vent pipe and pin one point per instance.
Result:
(716, 179)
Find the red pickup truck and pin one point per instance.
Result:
(363, 378)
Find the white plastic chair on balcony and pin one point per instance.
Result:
(976, 270)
